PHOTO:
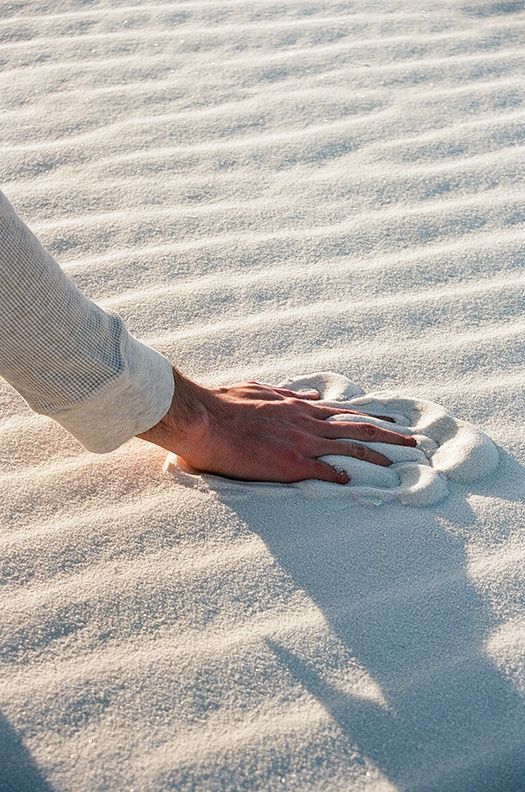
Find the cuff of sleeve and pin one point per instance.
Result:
(132, 403)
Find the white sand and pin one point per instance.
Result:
(267, 189)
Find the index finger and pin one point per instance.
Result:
(322, 411)
(363, 431)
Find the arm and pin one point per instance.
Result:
(76, 363)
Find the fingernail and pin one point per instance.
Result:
(344, 477)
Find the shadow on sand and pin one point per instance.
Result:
(393, 585)
(18, 772)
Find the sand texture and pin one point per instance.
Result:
(266, 190)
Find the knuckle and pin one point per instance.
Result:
(359, 451)
(295, 440)
(303, 442)
(370, 430)
(293, 457)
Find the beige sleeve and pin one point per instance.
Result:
(67, 357)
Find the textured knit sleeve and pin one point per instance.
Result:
(67, 357)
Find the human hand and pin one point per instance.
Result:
(256, 432)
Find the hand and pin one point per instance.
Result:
(257, 432)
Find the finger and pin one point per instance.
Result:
(353, 450)
(270, 392)
(322, 412)
(363, 431)
(259, 390)
(316, 469)
(309, 393)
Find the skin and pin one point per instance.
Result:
(256, 432)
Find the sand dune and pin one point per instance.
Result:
(266, 190)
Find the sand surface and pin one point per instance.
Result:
(271, 189)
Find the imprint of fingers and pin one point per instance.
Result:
(345, 448)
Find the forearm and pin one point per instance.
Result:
(67, 357)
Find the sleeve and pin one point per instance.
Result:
(67, 357)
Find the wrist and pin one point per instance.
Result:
(187, 419)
